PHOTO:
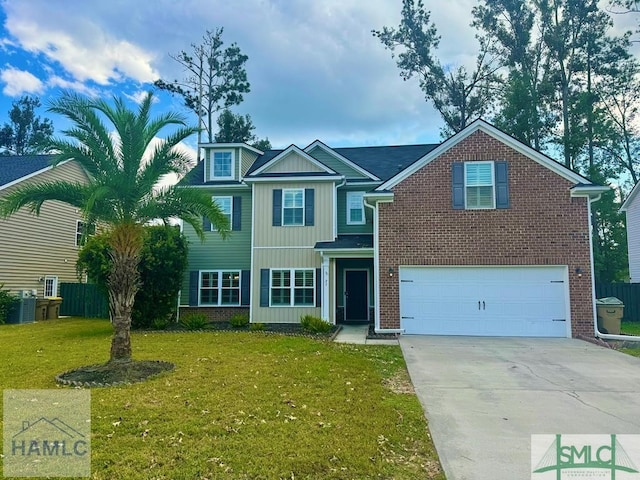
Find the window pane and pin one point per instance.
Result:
(222, 164)
(303, 297)
(355, 216)
(280, 278)
(478, 174)
(292, 216)
(293, 198)
(280, 296)
(479, 197)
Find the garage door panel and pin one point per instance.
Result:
(500, 301)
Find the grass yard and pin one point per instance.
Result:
(238, 405)
(630, 328)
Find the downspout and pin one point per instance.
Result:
(604, 336)
(376, 274)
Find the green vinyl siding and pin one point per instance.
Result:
(233, 253)
(343, 228)
(334, 164)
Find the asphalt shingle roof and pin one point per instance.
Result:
(14, 167)
(384, 162)
(347, 241)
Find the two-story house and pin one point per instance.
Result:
(39, 252)
(479, 235)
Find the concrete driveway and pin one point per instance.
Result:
(484, 397)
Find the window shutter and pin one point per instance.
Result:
(264, 287)
(277, 207)
(457, 185)
(245, 287)
(194, 286)
(236, 223)
(502, 185)
(318, 287)
(308, 206)
(206, 224)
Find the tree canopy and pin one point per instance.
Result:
(25, 133)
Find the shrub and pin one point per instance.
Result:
(257, 327)
(239, 320)
(7, 303)
(163, 261)
(160, 323)
(194, 321)
(314, 324)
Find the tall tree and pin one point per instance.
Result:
(25, 133)
(216, 79)
(518, 46)
(459, 96)
(123, 171)
(238, 128)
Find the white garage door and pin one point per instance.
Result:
(488, 301)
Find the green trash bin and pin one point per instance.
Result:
(610, 312)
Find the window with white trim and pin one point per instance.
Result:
(355, 208)
(479, 185)
(292, 288)
(225, 204)
(50, 286)
(293, 207)
(222, 165)
(83, 233)
(220, 287)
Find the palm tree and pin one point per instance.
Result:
(124, 166)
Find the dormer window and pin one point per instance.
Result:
(222, 165)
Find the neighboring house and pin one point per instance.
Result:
(631, 207)
(479, 235)
(38, 252)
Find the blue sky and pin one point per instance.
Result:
(316, 72)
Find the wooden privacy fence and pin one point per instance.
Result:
(629, 293)
(83, 300)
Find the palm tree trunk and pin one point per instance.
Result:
(123, 284)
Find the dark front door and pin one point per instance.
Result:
(356, 296)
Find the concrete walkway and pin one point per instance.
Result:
(358, 334)
(485, 397)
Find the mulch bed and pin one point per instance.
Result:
(114, 373)
(372, 335)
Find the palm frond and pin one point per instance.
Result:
(33, 196)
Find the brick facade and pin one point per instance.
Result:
(543, 226)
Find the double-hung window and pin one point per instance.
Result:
(293, 207)
(222, 165)
(220, 288)
(355, 208)
(225, 204)
(479, 185)
(82, 232)
(292, 288)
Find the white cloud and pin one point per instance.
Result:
(84, 48)
(58, 82)
(138, 96)
(19, 82)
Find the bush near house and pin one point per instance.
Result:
(7, 304)
(314, 324)
(162, 266)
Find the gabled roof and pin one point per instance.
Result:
(627, 202)
(481, 125)
(341, 158)
(253, 171)
(385, 161)
(14, 168)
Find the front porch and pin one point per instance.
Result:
(348, 279)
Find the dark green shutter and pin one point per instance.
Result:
(236, 223)
(245, 287)
(277, 207)
(194, 286)
(264, 287)
(318, 287)
(457, 185)
(308, 206)
(206, 224)
(502, 185)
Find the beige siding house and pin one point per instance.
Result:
(37, 253)
(631, 207)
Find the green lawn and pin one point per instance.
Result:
(238, 405)
(630, 328)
